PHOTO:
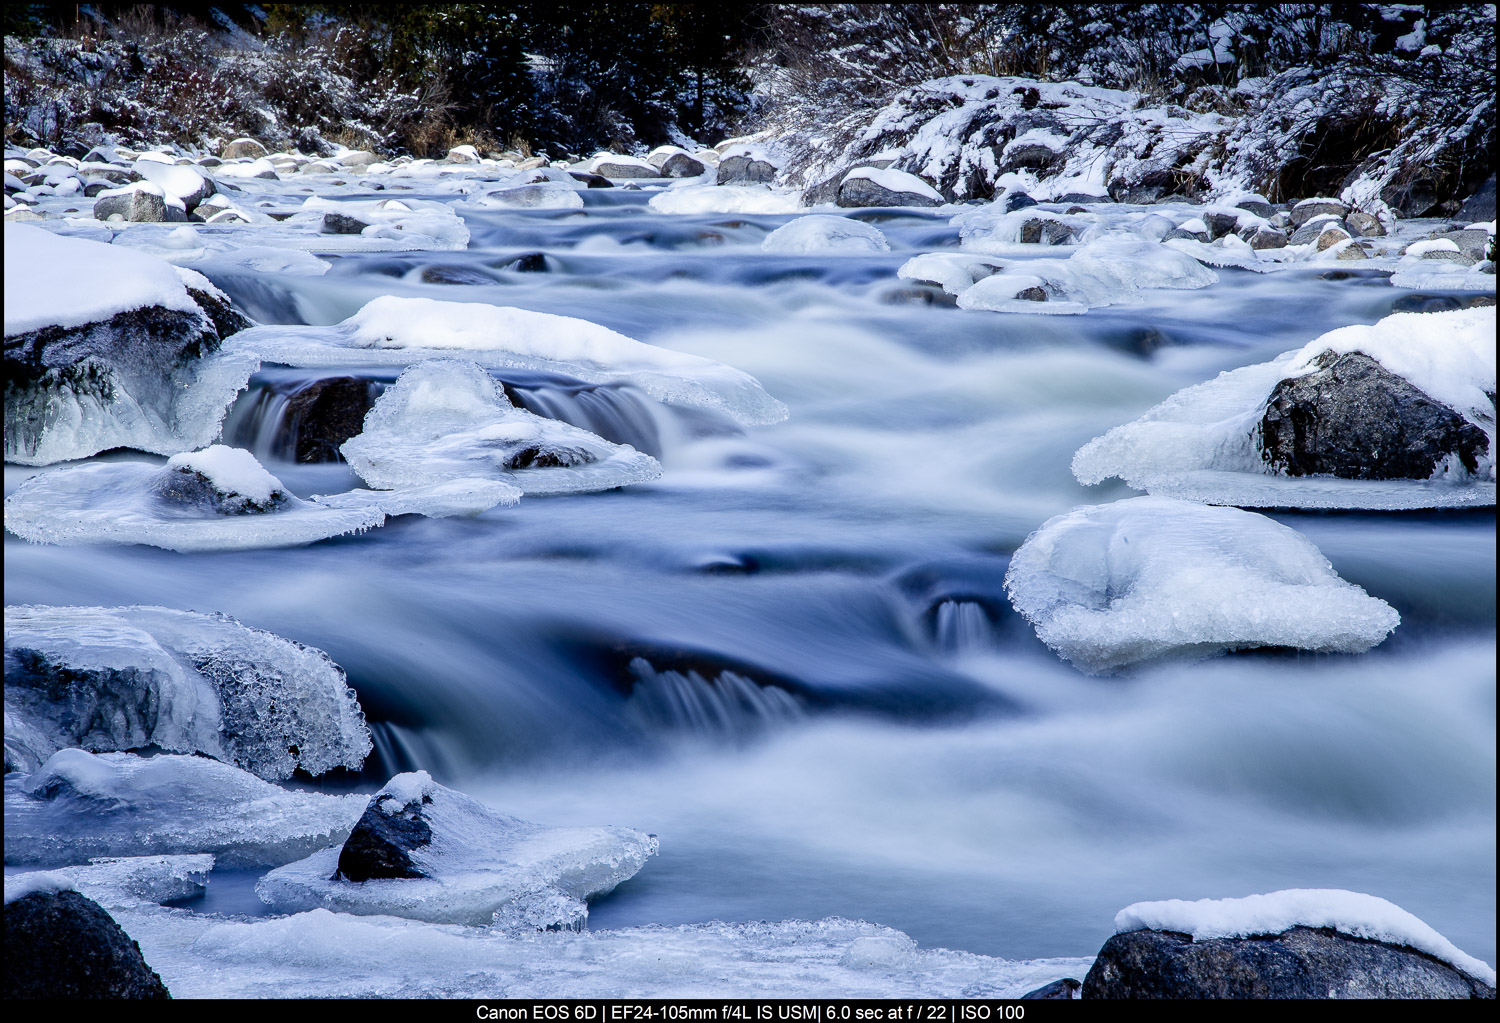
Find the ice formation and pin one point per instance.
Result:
(1352, 913)
(1202, 443)
(481, 867)
(125, 881)
(126, 677)
(1152, 578)
(393, 331)
(820, 232)
(545, 195)
(750, 199)
(449, 419)
(396, 224)
(1108, 271)
(80, 805)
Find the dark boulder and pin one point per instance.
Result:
(185, 486)
(1065, 988)
(592, 180)
(1307, 209)
(1046, 231)
(59, 944)
(860, 192)
(745, 170)
(381, 843)
(1303, 962)
(1481, 205)
(1017, 201)
(342, 223)
(681, 165)
(321, 414)
(139, 206)
(1354, 419)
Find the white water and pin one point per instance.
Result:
(930, 766)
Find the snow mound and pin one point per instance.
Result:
(80, 805)
(18, 886)
(448, 419)
(726, 199)
(1151, 578)
(1352, 913)
(125, 881)
(400, 331)
(821, 232)
(126, 677)
(991, 229)
(1202, 442)
(481, 867)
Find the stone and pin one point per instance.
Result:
(1256, 205)
(1017, 201)
(680, 165)
(1362, 223)
(357, 159)
(381, 843)
(1220, 224)
(185, 486)
(342, 223)
(532, 163)
(60, 944)
(321, 414)
(745, 170)
(139, 206)
(1471, 242)
(1032, 294)
(1354, 250)
(1192, 236)
(1302, 962)
(1065, 988)
(1267, 238)
(1045, 231)
(1480, 206)
(1311, 230)
(1331, 236)
(1354, 419)
(611, 169)
(241, 148)
(1030, 156)
(592, 180)
(864, 192)
(1306, 210)
(531, 262)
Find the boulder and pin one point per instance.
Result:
(322, 414)
(592, 180)
(1480, 206)
(1302, 962)
(1267, 238)
(1017, 201)
(1047, 231)
(1307, 209)
(60, 944)
(1255, 204)
(745, 169)
(1313, 229)
(139, 205)
(625, 168)
(867, 186)
(242, 148)
(1330, 236)
(681, 165)
(183, 483)
(1362, 223)
(1354, 419)
(1065, 988)
(342, 223)
(1472, 242)
(1220, 224)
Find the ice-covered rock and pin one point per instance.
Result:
(1300, 943)
(395, 331)
(1212, 442)
(546, 195)
(426, 852)
(60, 944)
(396, 224)
(80, 805)
(821, 232)
(746, 164)
(612, 165)
(1150, 578)
(449, 419)
(121, 678)
(871, 186)
(1108, 271)
(695, 199)
(123, 363)
(123, 881)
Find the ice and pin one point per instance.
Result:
(465, 497)
(951, 271)
(1151, 578)
(896, 181)
(1110, 270)
(821, 233)
(392, 224)
(43, 273)
(80, 805)
(1201, 443)
(323, 954)
(1353, 913)
(541, 196)
(126, 677)
(991, 229)
(703, 198)
(449, 419)
(478, 863)
(394, 331)
(125, 881)
(1439, 274)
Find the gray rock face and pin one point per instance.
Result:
(138, 207)
(610, 169)
(63, 945)
(745, 170)
(1300, 963)
(680, 165)
(381, 843)
(1304, 211)
(1481, 205)
(1354, 419)
(863, 192)
(240, 148)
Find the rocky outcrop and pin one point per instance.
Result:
(1302, 962)
(1354, 419)
(60, 944)
(1058, 989)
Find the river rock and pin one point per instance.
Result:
(857, 190)
(323, 414)
(1472, 242)
(1480, 206)
(141, 205)
(1302, 962)
(1354, 419)
(592, 180)
(681, 165)
(1366, 224)
(381, 844)
(1047, 231)
(745, 169)
(1312, 229)
(60, 944)
(1307, 209)
(242, 148)
(1256, 204)
(342, 223)
(1330, 236)
(625, 168)
(1058, 989)
(1267, 238)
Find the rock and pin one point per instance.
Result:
(531, 262)
(358, 158)
(1065, 988)
(463, 154)
(137, 205)
(1354, 419)
(532, 163)
(381, 843)
(1192, 236)
(1220, 224)
(186, 486)
(1032, 294)
(1029, 155)
(1480, 206)
(859, 191)
(592, 180)
(220, 311)
(1302, 962)
(1311, 230)
(621, 169)
(1307, 209)
(1471, 242)
(1354, 250)
(21, 212)
(1330, 236)
(60, 944)
(744, 169)
(1363, 223)
(1255, 204)
(1017, 201)
(342, 223)
(1267, 238)
(1081, 197)
(1046, 231)
(1420, 303)
(322, 414)
(242, 148)
(681, 165)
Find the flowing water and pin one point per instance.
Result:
(792, 657)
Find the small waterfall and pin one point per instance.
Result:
(730, 706)
(256, 422)
(963, 627)
(291, 417)
(618, 414)
(395, 751)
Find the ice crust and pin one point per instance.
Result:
(704, 198)
(449, 419)
(183, 681)
(1150, 578)
(1112, 270)
(80, 805)
(125, 881)
(820, 232)
(395, 331)
(1200, 444)
(483, 867)
(230, 471)
(1352, 913)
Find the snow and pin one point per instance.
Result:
(449, 419)
(896, 181)
(1200, 443)
(479, 863)
(36, 881)
(1111, 270)
(124, 881)
(392, 224)
(822, 233)
(706, 198)
(1352, 913)
(183, 681)
(231, 471)
(80, 805)
(1420, 249)
(43, 272)
(1150, 578)
(401, 331)
(991, 229)
(177, 181)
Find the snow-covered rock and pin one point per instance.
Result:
(449, 419)
(745, 164)
(123, 881)
(820, 232)
(1148, 579)
(548, 195)
(80, 805)
(426, 852)
(380, 224)
(120, 678)
(394, 331)
(872, 186)
(612, 165)
(1211, 442)
(726, 199)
